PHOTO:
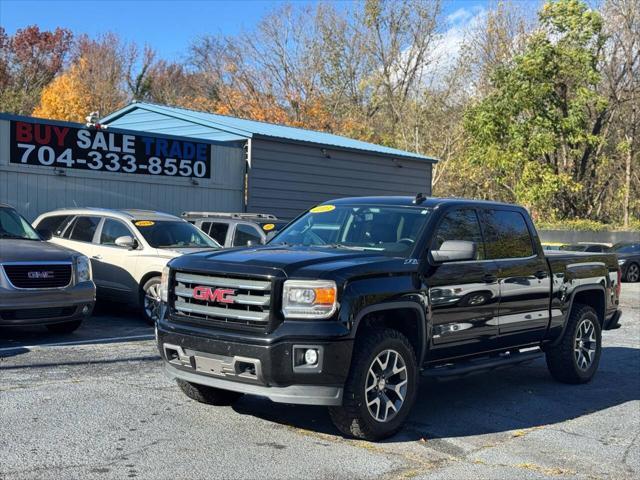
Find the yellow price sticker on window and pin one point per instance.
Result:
(144, 223)
(268, 227)
(323, 208)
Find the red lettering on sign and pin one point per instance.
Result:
(60, 133)
(23, 132)
(42, 134)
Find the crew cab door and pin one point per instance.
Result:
(523, 275)
(464, 295)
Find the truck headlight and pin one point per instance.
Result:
(164, 285)
(621, 261)
(83, 269)
(309, 298)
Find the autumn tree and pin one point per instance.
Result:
(29, 60)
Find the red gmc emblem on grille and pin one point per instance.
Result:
(216, 295)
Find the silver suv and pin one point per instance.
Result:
(128, 249)
(41, 283)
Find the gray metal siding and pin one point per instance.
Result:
(35, 189)
(287, 178)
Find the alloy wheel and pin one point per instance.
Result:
(386, 385)
(585, 344)
(633, 274)
(152, 302)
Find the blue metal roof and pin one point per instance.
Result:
(190, 123)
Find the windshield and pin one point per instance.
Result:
(12, 225)
(626, 248)
(389, 230)
(173, 234)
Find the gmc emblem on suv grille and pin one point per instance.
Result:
(216, 295)
(34, 275)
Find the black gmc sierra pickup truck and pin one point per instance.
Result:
(358, 297)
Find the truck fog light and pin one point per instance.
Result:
(311, 356)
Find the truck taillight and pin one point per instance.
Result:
(619, 284)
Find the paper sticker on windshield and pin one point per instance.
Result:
(268, 227)
(144, 223)
(323, 208)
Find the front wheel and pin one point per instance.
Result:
(633, 273)
(381, 387)
(150, 301)
(576, 357)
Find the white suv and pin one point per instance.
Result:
(128, 249)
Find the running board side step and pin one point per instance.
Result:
(462, 369)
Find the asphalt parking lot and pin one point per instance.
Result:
(95, 404)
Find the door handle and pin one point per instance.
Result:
(489, 278)
(97, 257)
(540, 274)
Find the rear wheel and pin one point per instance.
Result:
(66, 327)
(208, 395)
(633, 273)
(381, 387)
(575, 359)
(150, 300)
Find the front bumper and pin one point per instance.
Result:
(260, 366)
(47, 306)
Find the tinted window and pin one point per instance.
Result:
(54, 224)
(505, 234)
(245, 234)
(217, 231)
(627, 248)
(83, 229)
(459, 225)
(112, 229)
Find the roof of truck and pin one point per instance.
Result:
(409, 201)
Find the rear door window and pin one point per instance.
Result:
(217, 231)
(506, 234)
(55, 224)
(83, 229)
(460, 224)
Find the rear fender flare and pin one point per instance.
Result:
(596, 288)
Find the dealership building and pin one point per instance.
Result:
(172, 159)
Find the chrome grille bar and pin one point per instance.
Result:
(229, 313)
(239, 283)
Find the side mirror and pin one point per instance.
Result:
(44, 234)
(454, 251)
(126, 241)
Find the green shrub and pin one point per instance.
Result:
(586, 225)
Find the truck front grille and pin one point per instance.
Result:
(223, 300)
(46, 275)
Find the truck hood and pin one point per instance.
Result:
(12, 250)
(298, 261)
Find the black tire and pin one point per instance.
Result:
(208, 395)
(563, 359)
(633, 273)
(354, 418)
(149, 309)
(66, 327)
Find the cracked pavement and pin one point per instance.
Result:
(105, 410)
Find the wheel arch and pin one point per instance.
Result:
(591, 295)
(145, 278)
(407, 317)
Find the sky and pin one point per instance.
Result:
(168, 26)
